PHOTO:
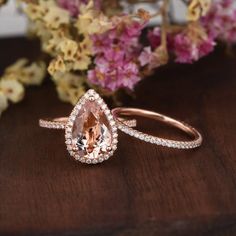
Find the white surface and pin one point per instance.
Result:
(12, 22)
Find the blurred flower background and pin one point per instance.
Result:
(111, 45)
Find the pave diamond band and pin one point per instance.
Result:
(57, 123)
(60, 123)
(195, 142)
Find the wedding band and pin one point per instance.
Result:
(192, 132)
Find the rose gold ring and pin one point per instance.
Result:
(90, 130)
(192, 132)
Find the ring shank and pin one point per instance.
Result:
(197, 138)
(53, 123)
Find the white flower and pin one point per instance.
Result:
(82, 61)
(12, 89)
(198, 8)
(56, 17)
(18, 65)
(51, 46)
(70, 87)
(69, 48)
(33, 11)
(86, 46)
(90, 22)
(206, 4)
(33, 74)
(56, 65)
(63, 94)
(3, 102)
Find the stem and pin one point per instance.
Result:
(165, 23)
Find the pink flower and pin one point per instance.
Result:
(145, 57)
(100, 42)
(132, 30)
(73, 6)
(115, 77)
(225, 3)
(188, 51)
(129, 75)
(206, 47)
(116, 55)
(154, 37)
(100, 76)
(220, 21)
(101, 61)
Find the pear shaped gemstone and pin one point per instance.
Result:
(91, 131)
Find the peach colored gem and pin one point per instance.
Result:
(92, 131)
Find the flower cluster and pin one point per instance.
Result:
(188, 45)
(15, 77)
(220, 22)
(94, 43)
(197, 9)
(208, 23)
(108, 49)
(116, 53)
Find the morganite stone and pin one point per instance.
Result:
(91, 131)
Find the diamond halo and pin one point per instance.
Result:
(98, 139)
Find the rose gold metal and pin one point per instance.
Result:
(56, 123)
(192, 132)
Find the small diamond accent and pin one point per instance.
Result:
(124, 127)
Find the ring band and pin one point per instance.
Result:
(197, 137)
(56, 123)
